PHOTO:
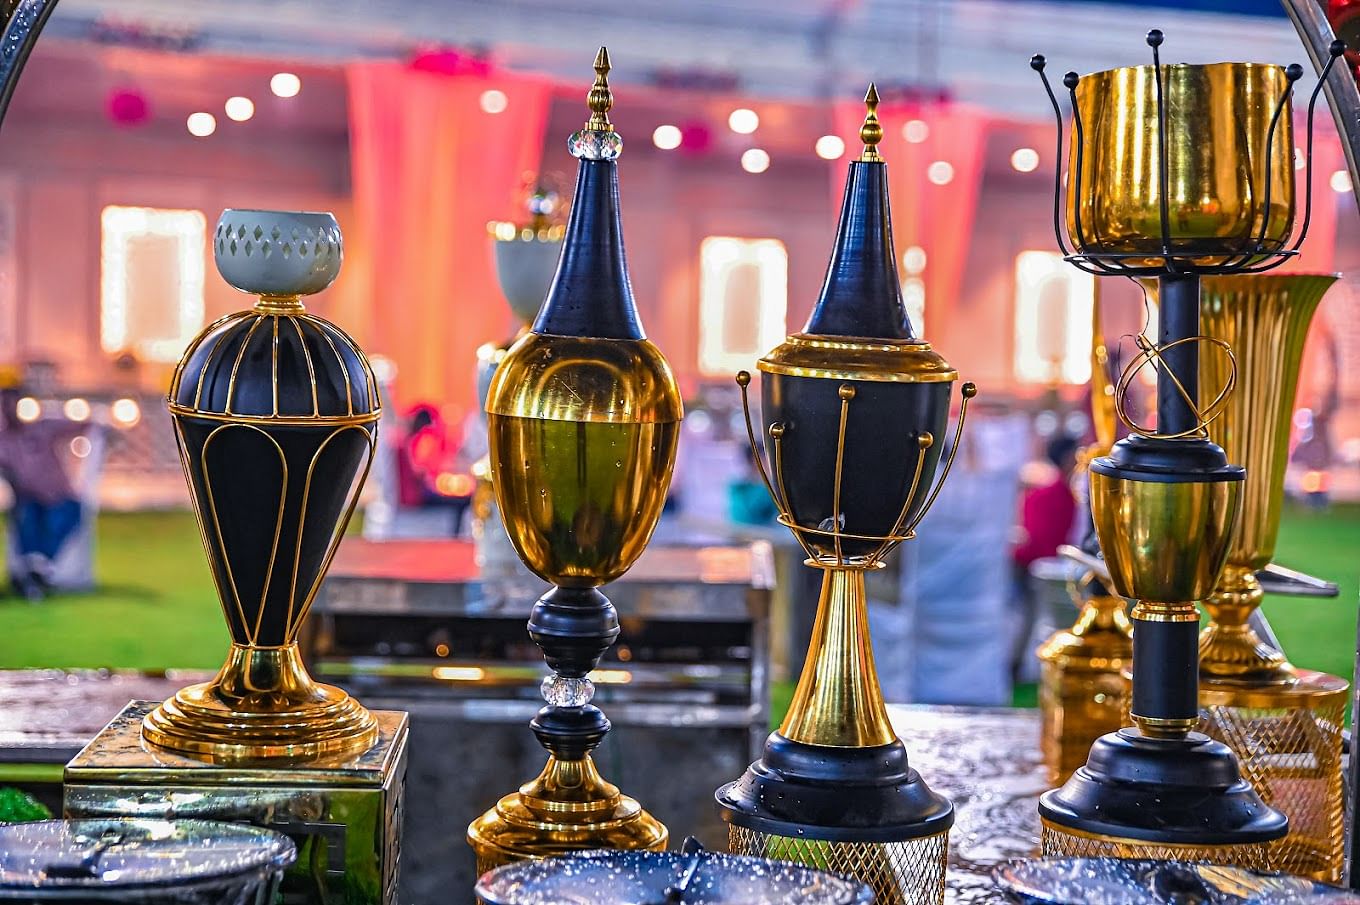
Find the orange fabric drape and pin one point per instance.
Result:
(938, 218)
(429, 169)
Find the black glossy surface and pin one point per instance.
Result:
(861, 295)
(570, 732)
(591, 294)
(290, 356)
(16, 42)
(1183, 791)
(1168, 687)
(270, 498)
(1178, 318)
(882, 427)
(838, 794)
(574, 627)
(1138, 458)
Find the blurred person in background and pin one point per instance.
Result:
(748, 502)
(424, 459)
(1048, 510)
(46, 508)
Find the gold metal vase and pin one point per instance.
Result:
(1284, 723)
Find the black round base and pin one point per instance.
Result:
(1173, 791)
(835, 794)
(1139, 458)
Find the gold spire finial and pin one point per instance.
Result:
(600, 98)
(871, 133)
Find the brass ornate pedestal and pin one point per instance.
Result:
(1178, 172)
(854, 409)
(583, 418)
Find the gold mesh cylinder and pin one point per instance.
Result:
(1287, 739)
(1061, 842)
(910, 872)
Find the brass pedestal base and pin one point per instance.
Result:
(1062, 842)
(907, 872)
(568, 807)
(262, 706)
(1287, 739)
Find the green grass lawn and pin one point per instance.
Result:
(156, 607)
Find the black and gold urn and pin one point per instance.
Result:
(583, 417)
(275, 413)
(854, 413)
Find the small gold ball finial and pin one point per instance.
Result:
(600, 98)
(871, 133)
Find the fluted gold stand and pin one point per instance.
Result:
(261, 705)
(569, 806)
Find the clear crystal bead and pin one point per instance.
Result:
(563, 692)
(593, 145)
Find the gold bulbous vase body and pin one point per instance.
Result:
(1220, 156)
(582, 437)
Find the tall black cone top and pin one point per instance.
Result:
(591, 294)
(862, 295)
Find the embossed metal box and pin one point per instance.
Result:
(344, 815)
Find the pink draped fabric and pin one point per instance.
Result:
(430, 169)
(938, 218)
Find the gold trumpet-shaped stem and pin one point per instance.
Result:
(838, 701)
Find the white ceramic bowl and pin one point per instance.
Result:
(278, 252)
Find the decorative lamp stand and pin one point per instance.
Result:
(583, 419)
(854, 408)
(1177, 172)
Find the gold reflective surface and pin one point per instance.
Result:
(571, 378)
(838, 701)
(568, 807)
(1288, 742)
(1217, 124)
(1265, 319)
(1056, 841)
(849, 358)
(261, 706)
(911, 872)
(1163, 541)
(580, 499)
(1081, 686)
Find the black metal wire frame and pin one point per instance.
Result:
(1260, 256)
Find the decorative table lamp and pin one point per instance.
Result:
(1283, 723)
(855, 407)
(1081, 683)
(583, 419)
(276, 412)
(1177, 172)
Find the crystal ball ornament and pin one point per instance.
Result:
(275, 412)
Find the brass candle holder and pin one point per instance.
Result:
(276, 413)
(853, 407)
(1177, 172)
(583, 419)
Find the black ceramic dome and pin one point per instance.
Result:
(260, 364)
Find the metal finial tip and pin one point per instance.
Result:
(1155, 38)
(871, 133)
(600, 99)
(925, 440)
(1293, 72)
(743, 378)
(846, 392)
(969, 390)
(777, 430)
(1071, 80)
(1337, 48)
(1038, 62)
